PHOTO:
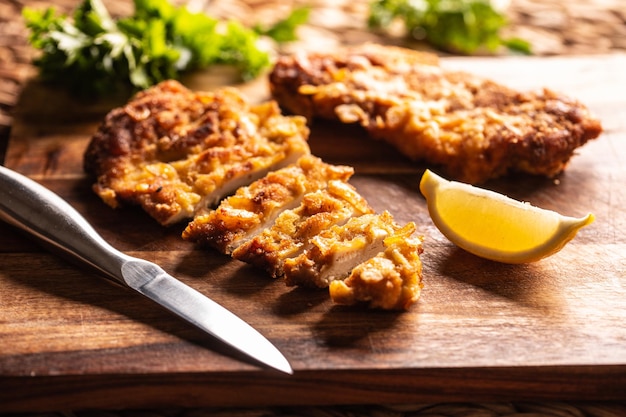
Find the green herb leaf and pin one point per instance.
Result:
(457, 26)
(92, 53)
(285, 30)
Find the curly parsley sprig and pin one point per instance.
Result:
(92, 53)
(457, 26)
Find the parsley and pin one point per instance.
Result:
(285, 30)
(92, 53)
(457, 26)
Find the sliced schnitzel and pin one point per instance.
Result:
(243, 176)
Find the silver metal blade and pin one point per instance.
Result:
(152, 281)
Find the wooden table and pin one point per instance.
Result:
(482, 331)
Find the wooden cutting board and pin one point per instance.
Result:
(554, 329)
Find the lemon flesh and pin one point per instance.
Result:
(494, 226)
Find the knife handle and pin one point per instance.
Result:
(35, 209)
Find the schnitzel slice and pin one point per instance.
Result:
(392, 280)
(289, 236)
(174, 152)
(255, 207)
(335, 251)
(473, 128)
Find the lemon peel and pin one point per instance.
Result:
(494, 226)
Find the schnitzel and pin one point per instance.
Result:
(474, 129)
(174, 151)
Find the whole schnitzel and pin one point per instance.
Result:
(473, 128)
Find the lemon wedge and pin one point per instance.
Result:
(494, 226)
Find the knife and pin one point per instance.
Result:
(35, 209)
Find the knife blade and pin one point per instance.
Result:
(30, 206)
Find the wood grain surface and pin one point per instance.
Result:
(551, 330)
